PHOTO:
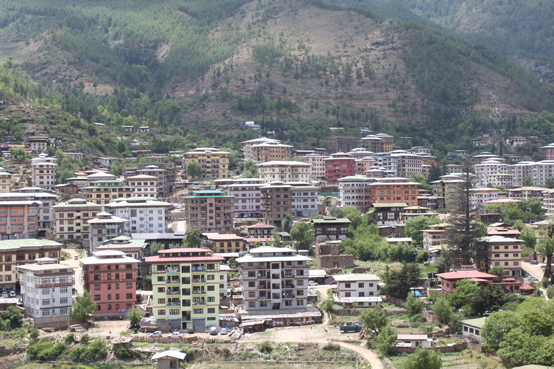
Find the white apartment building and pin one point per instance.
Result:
(539, 171)
(43, 172)
(317, 169)
(46, 200)
(144, 215)
(247, 146)
(488, 168)
(408, 164)
(304, 199)
(248, 197)
(144, 185)
(354, 191)
(46, 288)
(521, 170)
(104, 228)
(284, 171)
(358, 290)
(387, 162)
(501, 179)
(274, 279)
(359, 153)
(548, 200)
(479, 196)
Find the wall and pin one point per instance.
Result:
(455, 348)
(57, 322)
(328, 261)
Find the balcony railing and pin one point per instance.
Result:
(198, 280)
(196, 303)
(173, 281)
(198, 292)
(173, 293)
(174, 303)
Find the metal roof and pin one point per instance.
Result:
(169, 353)
(356, 277)
(16, 244)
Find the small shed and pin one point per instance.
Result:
(526, 289)
(414, 339)
(317, 275)
(169, 359)
(473, 327)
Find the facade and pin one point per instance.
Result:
(271, 151)
(274, 279)
(488, 168)
(330, 228)
(163, 175)
(393, 191)
(478, 197)
(411, 212)
(363, 165)
(111, 279)
(449, 280)
(317, 162)
(46, 288)
(260, 231)
(144, 215)
(143, 185)
(380, 142)
(5, 181)
(355, 191)
(19, 219)
(548, 200)
(224, 243)
(447, 188)
(304, 200)
(501, 180)
(276, 202)
(185, 285)
(548, 151)
(453, 169)
(342, 144)
(526, 193)
(286, 171)
(247, 146)
(104, 228)
(387, 214)
(70, 219)
(15, 253)
(409, 164)
(43, 172)
(434, 237)
(505, 252)
(339, 165)
(210, 211)
(358, 290)
(106, 191)
(47, 199)
(215, 163)
(248, 197)
(135, 249)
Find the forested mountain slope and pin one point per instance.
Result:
(191, 68)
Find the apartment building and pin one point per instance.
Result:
(548, 151)
(484, 156)
(505, 180)
(211, 211)
(380, 142)
(389, 214)
(412, 212)
(355, 191)
(224, 243)
(215, 163)
(38, 143)
(271, 151)
(488, 168)
(548, 200)
(144, 185)
(330, 228)
(48, 199)
(144, 215)
(339, 165)
(274, 279)
(542, 170)
(19, 219)
(105, 191)
(526, 193)
(285, 171)
(163, 175)
(260, 231)
(363, 165)
(43, 172)
(447, 188)
(248, 197)
(46, 288)
(132, 248)
(5, 181)
(359, 153)
(111, 279)
(358, 290)
(408, 164)
(104, 228)
(317, 162)
(342, 144)
(247, 146)
(15, 253)
(434, 237)
(393, 190)
(185, 284)
(479, 196)
(276, 203)
(505, 252)
(70, 219)
(453, 169)
(387, 162)
(304, 199)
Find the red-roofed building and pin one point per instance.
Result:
(510, 233)
(260, 231)
(449, 280)
(223, 243)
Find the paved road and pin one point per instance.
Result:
(78, 271)
(536, 271)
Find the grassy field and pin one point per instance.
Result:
(229, 365)
(461, 360)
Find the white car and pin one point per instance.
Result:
(174, 334)
(156, 334)
(224, 331)
(312, 283)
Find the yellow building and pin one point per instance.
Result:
(215, 163)
(447, 189)
(107, 191)
(224, 243)
(271, 151)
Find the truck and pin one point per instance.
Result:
(351, 328)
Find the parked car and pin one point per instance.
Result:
(156, 334)
(224, 331)
(174, 334)
(534, 262)
(312, 283)
(531, 278)
(213, 331)
(76, 257)
(351, 328)
(12, 293)
(191, 330)
(333, 282)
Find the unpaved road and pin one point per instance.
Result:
(78, 271)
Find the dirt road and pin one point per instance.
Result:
(534, 269)
(78, 271)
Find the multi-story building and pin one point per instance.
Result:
(548, 200)
(434, 237)
(271, 151)
(304, 199)
(164, 182)
(144, 215)
(260, 231)
(214, 162)
(103, 228)
(19, 219)
(247, 146)
(526, 193)
(358, 290)
(359, 153)
(285, 171)
(363, 165)
(342, 144)
(339, 165)
(111, 279)
(387, 214)
(144, 185)
(453, 169)
(276, 202)
(484, 156)
(43, 172)
(393, 190)
(479, 196)
(447, 188)
(505, 252)
(15, 253)
(224, 243)
(185, 283)
(70, 219)
(355, 191)
(488, 168)
(387, 162)
(105, 191)
(412, 212)
(431, 202)
(132, 248)
(505, 180)
(5, 181)
(274, 279)
(520, 171)
(317, 162)
(380, 142)
(48, 199)
(548, 151)
(408, 164)
(46, 288)
(211, 211)
(330, 228)
(38, 143)
(248, 197)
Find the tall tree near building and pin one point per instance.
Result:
(463, 231)
(194, 170)
(546, 247)
(83, 307)
(192, 238)
(303, 233)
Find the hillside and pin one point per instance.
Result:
(193, 70)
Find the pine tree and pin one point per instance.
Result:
(463, 233)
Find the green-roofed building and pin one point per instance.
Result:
(210, 211)
(330, 228)
(473, 327)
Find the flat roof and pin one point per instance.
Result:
(330, 221)
(16, 244)
(262, 259)
(38, 267)
(478, 322)
(355, 277)
(390, 205)
(94, 260)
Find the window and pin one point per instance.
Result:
(116, 296)
(63, 300)
(211, 299)
(211, 288)
(96, 297)
(129, 296)
(252, 304)
(211, 310)
(347, 285)
(63, 290)
(161, 312)
(360, 285)
(128, 286)
(117, 286)
(161, 301)
(109, 296)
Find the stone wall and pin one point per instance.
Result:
(58, 322)
(335, 261)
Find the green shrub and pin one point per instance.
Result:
(330, 346)
(70, 338)
(265, 347)
(34, 334)
(418, 319)
(85, 338)
(123, 352)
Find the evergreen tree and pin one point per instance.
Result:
(546, 247)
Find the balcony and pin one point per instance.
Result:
(173, 281)
(175, 303)
(173, 293)
(198, 280)
(198, 292)
(199, 303)
(263, 277)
